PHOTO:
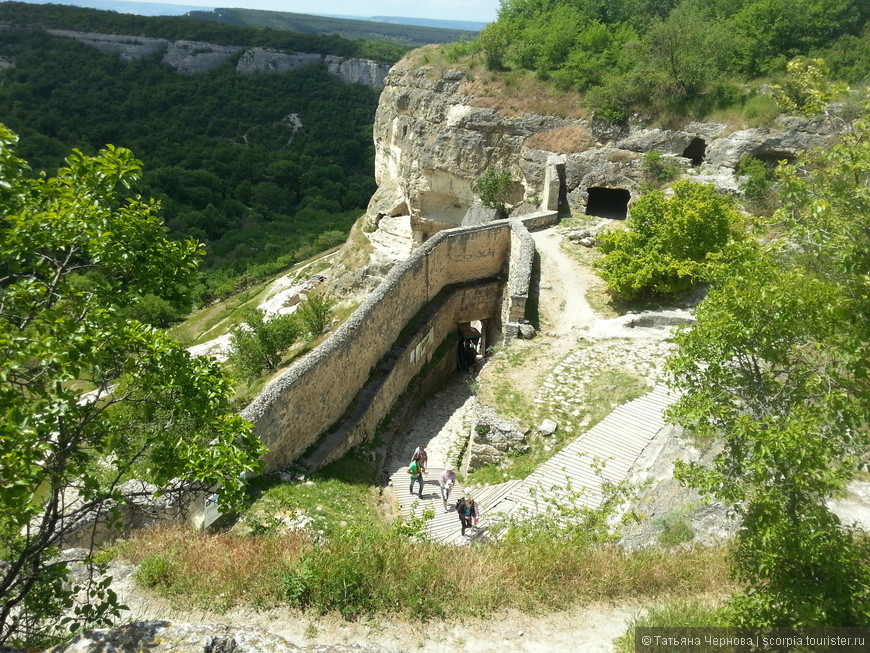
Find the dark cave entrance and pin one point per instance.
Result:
(608, 203)
(771, 158)
(695, 151)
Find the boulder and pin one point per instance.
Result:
(548, 427)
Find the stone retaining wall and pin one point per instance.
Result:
(314, 395)
(478, 302)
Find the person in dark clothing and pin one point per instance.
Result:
(466, 508)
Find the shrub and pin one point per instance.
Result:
(659, 170)
(668, 244)
(315, 314)
(258, 344)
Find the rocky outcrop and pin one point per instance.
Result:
(493, 438)
(433, 141)
(357, 71)
(166, 637)
(191, 57)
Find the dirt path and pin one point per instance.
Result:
(586, 628)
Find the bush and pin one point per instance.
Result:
(659, 170)
(258, 344)
(668, 244)
(315, 314)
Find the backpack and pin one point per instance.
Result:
(460, 505)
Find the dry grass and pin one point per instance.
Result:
(222, 570)
(510, 93)
(516, 93)
(371, 571)
(564, 140)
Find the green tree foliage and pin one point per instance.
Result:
(229, 165)
(258, 343)
(688, 51)
(688, 55)
(807, 89)
(76, 251)
(494, 187)
(669, 241)
(788, 28)
(315, 314)
(777, 366)
(758, 183)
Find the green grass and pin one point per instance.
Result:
(338, 495)
(679, 613)
(675, 529)
(607, 388)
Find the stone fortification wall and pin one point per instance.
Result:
(521, 262)
(480, 301)
(314, 394)
(520, 280)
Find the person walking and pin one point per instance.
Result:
(446, 482)
(421, 456)
(466, 508)
(416, 472)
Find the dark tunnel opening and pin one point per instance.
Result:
(695, 151)
(608, 203)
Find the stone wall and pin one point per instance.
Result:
(480, 301)
(522, 261)
(320, 392)
(313, 396)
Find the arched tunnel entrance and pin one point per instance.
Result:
(608, 203)
(470, 346)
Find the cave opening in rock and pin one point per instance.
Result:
(695, 151)
(608, 203)
(771, 158)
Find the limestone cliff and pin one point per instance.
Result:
(434, 138)
(190, 57)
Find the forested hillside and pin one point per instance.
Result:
(414, 35)
(672, 55)
(264, 169)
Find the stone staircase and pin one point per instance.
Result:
(607, 452)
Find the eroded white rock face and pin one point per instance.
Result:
(165, 637)
(432, 143)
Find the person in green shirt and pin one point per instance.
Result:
(415, 469)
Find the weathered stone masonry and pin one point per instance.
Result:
(313, 395)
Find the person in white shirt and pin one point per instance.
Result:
(446, 481)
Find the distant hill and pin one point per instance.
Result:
(138, 8)
(265, 169)
(377, 29)
(463, 25)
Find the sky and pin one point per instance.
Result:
(469, 10)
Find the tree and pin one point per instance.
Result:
(258, 343)
(315, 314)
(777, 367)
(688, 50)
(807, 90)
(494, 188)
(669, 241)
(76, 250)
